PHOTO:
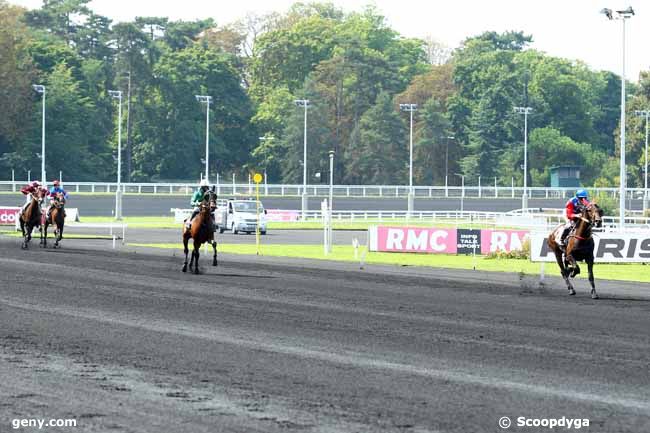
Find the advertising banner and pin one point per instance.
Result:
(8, 215)
(468, 241)
(282, 215)
(608, 248)
(502, 240)
(448, 241)
(413, 240)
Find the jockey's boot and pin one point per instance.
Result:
(22, 210)
(562, 241)
(188, 222)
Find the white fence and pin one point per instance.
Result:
(532, 219)
(372, 191)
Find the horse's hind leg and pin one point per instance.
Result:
(590, 267)
(214, 248)
(186, 250)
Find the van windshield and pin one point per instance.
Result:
(246, 206)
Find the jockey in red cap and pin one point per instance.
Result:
(28, 190)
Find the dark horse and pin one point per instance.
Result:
(579, 247)
(201, 231)
(57, 219)
(30, 218)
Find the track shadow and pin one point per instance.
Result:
(623, 299)
(257, 277)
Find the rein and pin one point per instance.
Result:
(589, 224)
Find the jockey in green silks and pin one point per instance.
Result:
(196, 200)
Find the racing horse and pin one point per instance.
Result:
(30, 218)
(579, 247)
(57, 219)
(201, 231)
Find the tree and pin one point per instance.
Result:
(380, 156)
(319, 137)
(68, 112)
(62, 18)
(548, 148)
(431, 148)
(17, 74)
(175, 131)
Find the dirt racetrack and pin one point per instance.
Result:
(122, 341)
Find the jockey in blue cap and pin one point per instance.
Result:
(55, 192)
(572, 211)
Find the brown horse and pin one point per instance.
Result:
(30, 218)
(57, 219)
(201, 231)
(579, 247)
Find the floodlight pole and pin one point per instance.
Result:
(525, 111)
(117, 94)
(410, 108)
(208, 100)
(41, 89)
(645, 114)
(622, 16)
(305, 104)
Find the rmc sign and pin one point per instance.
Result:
(609, 248)
(443, 240)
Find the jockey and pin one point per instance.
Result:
(33, 188)
(196, 200)
(56, 189)
(572, 211)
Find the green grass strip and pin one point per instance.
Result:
(621, 272)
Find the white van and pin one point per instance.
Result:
(240, 216)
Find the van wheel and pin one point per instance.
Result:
(263, 232)
(221, 229)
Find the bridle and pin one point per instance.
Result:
(210, 202)
(590, 224)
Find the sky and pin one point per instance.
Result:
(572, 29)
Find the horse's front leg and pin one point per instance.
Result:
(590, 267)
(43, 229)
(565, 273)
(59, 236)
(214, 248)
(22, 229)
(573, 266)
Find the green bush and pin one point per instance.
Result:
(523, 253)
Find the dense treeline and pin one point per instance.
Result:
(354, 69)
